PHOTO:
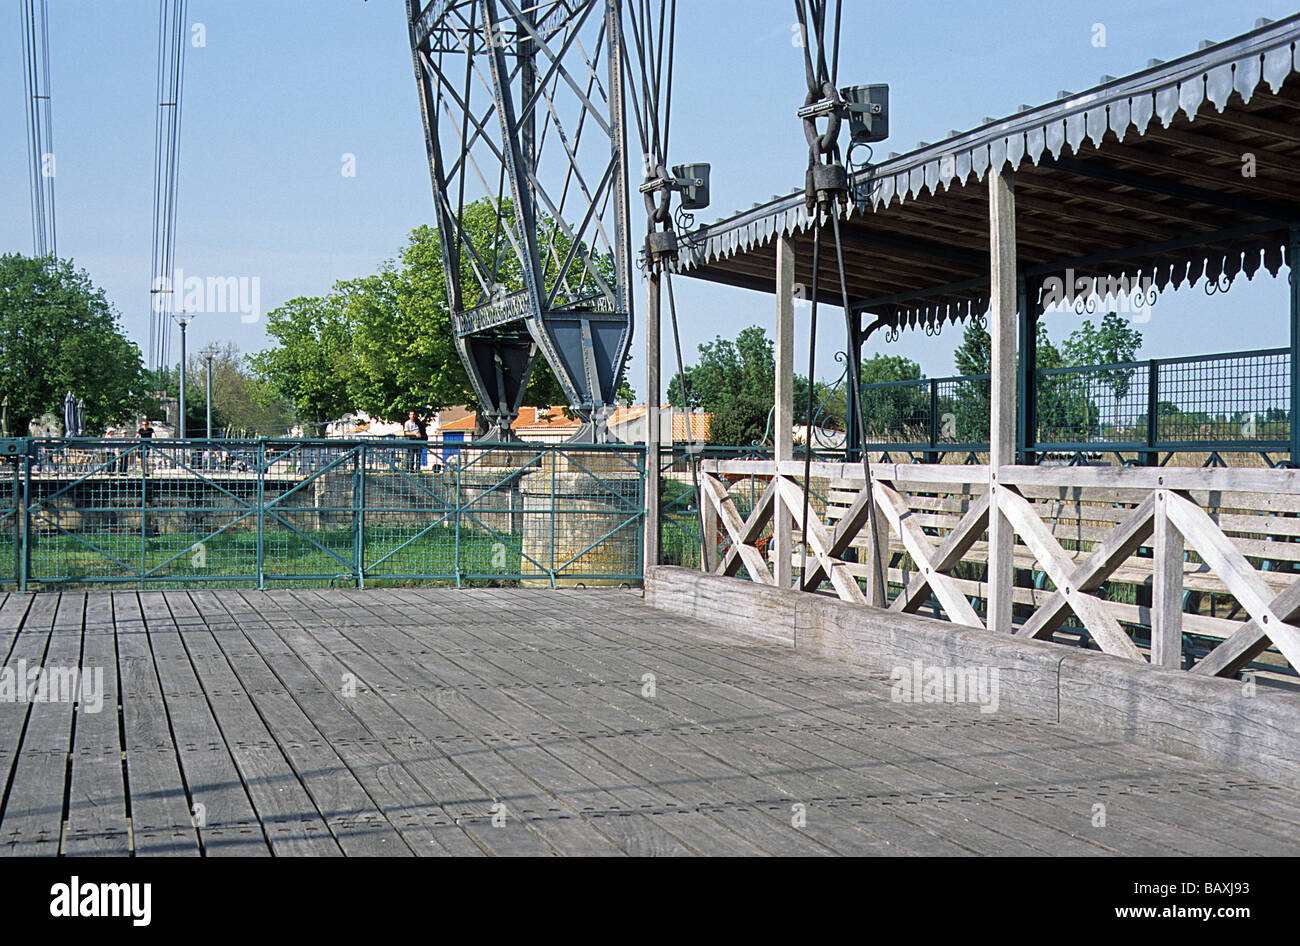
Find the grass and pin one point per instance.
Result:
(392, 555)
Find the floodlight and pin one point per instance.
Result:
(868, 108)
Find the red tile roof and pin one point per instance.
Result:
(530, 420)
(551, 421)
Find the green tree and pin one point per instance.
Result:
(735, 382)
(313, 364)
(242, 404)
(404, 341)
(59, 333)
(384, 343)
(1112, 342)
(968, 408)
(975, 353)
(1067, 405)
(828, 405)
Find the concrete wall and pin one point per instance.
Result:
(1206, 720)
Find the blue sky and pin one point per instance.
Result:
(283, 89)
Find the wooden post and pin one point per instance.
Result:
(1002, 391)
(783, 418)
(1166, 590)
(710, 520)
(651, 556)
(1027, 415)
(877, 590)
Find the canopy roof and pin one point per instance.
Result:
(1147, 176)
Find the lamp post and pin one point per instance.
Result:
(208, 399)
(180, 421)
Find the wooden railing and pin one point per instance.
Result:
(1171, 537)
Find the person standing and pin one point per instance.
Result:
(120, 457)
(411, 431)
(145, 432)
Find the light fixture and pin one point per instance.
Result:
(868, 110)
(692, 180)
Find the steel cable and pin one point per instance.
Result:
(686, 410)
(35, 36)
(824, 148)
(172, 19)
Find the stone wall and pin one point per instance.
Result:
(575, 501)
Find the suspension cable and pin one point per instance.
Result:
(826, 194)
(654, 41)
(172, 20)
(40, 124)
(855, 392)
(692, 451)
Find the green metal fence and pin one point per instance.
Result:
(1235, 402)
(275, 513)
(1229, 402)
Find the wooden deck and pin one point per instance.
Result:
(398, 722)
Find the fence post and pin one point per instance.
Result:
(25, 552)
(1294, 259)
(359, 520)
(640, 550)
(709, 523)
(144, 507)
(1152, 457)
(456, 548)
(552, 559)
(932, 456)
(1166, 589)
(260, 459)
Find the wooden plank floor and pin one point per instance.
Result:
(513, 722)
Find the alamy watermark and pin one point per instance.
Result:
(1085, 294)
(918, 683)
(196, 295)
(39, 684)
(83, 899)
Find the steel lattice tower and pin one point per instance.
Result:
(523, 107)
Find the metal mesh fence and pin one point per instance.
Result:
(10, 522)
(962, 414)
(1093, 405)
(1231, 402)
(897, 412)
(679, 519)
(1244, 397)
(273, 513)
(931, 414)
